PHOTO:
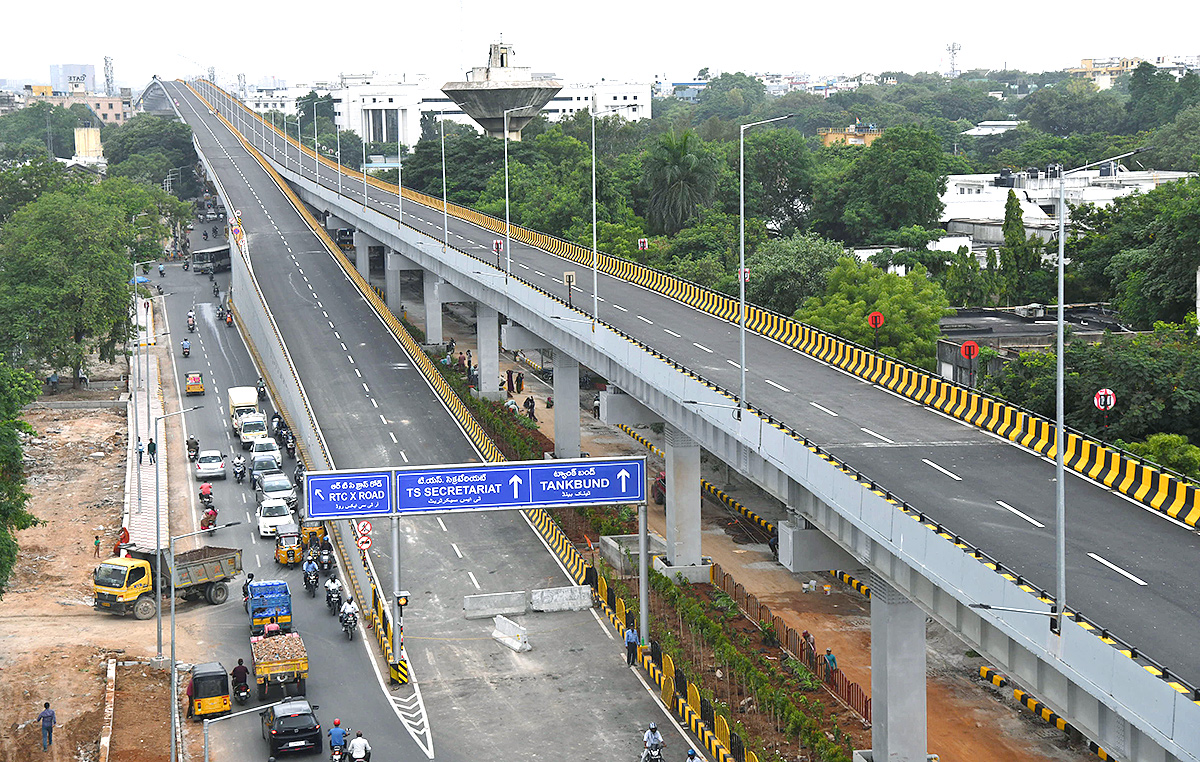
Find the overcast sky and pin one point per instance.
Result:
(580, 42)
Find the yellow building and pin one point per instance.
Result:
(854, 135)
(1096, 68)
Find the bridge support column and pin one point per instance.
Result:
(487, 336)
(362, 253)
(433, 308)
(395, 263)
(683, 506)
(566, 406)
(803, 547)
(897, 676)
(333, 223)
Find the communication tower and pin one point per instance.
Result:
(953, 49)
(110, 85)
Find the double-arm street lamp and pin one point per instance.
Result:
(158, 530)
(507, 233)
(595, 249)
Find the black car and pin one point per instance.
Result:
(291, 726)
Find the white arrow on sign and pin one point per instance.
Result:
(515, 481)
(623, 475)
(318, 493)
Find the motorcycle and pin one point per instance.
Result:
(333, 599)
(193, 450)
(298, 474)
(187, 350)
(326, 561)
(160, 290)
(310, 583)
(262, 390)
(162, 273)
(349, 623)
(229, 318)
(239, 472)
(191, 325)
(214, 229)
(209, 519)
(220, 312)
(290, 445)
(241, 693)
(336, 753)
(205, 234)
(216, 290)
(186, 265)
(654, 753)
(206, 501)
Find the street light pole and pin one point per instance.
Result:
(445, 208)
(742, 254)
(174, 688)
(507, 232)
(1060, 498)
(158, 534)
(595, 248)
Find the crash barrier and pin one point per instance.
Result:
(845, 578)
(1163, 490)
(574, 598)
(708, 488)
(1006, 420)
(110, 698)
(510, 634)
(803, 650)
(1040, 710)
(491, 604)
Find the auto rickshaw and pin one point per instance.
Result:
(194, 383)
(288, 550)
(312, 531)
(209, 691)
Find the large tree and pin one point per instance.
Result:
(25, 182)
(730, 96)
(1075, 106)
(911, 305)
(1177, 145)
(785, 272)
(779, 171)
(147, 148)
(680, 175)
(18, 388)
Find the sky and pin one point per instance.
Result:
(300, 42)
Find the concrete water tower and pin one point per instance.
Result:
(491, 90)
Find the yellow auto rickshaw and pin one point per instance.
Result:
(288, 550)
(312, 531)
(208, 693)
(194, 383)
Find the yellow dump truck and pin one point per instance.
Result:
(129, 583)
(279, 660)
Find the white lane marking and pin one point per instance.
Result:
(393, 436)
(257, 560)
(350, 358)
(539, 272)
(734, 364)
(602, 627)
(373, 402)
(383, 419)
(824, 409)
(474, 581)
(668, 330)
(645, 320)
(1118, 569)
(1015, 512)
(343, 347)
(457, 552)
(877, 435)
(701, 347)
(366, 388)
(619, 307)
(357, 373)
(331, 325)
(936, 467)
(404, 455)
(522, 264)
(325, 314)
(778, 386)
(441, 524)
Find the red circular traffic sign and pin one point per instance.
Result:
(1105, 400)
(363, 527)
(875, 319)
(364, 542)
(970, 350)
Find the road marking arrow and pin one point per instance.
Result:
(515, 481)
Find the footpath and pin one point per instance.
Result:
(968, 719)
(145, 496)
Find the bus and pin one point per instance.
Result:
(214, 260)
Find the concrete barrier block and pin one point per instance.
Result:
(489, 605)
(511, 635)
(574, 598)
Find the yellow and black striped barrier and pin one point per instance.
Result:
(859, 587)
(993, 677)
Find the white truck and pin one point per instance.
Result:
(252, 426)
(242, 400)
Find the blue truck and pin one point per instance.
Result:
(269, 599)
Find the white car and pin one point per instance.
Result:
(267, 446)
(210, 465)
(272, 514)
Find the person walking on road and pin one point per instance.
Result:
(830, 664)
(140, 449)
(152, 451)
(48, 722)
(631, 645)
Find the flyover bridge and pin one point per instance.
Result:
(943, 495)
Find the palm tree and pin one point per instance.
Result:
(680, 176)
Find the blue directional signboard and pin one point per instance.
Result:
(528, 484)
(348, 494)
(474, 487)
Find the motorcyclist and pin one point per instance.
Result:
(229, 318)
(337, 734)
(332, 585)
(191, 315)
(309, 565)
(210, 515)
(358, 748)
(239, 462)
(326, 546)
(206, 491)
(162, 270)
(276, 419)
(348, 607)
(246, 585)
(187, 345)
(240, 674)
(651, 738)
(691, 755)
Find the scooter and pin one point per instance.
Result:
(186, 265)
(229, 318)
(191, 325)
(205, 234)
(216, 290)
(162, 273)
(239, 472)
(349, 624)
(290, 445)
(187, 351)
(209, 519)
(326, 561)
(310, 583)
(193, 451)
(241, 693)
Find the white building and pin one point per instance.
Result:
(992, 128)
(630, 100)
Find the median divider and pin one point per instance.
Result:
(510, 634)
(488, 605)
(573, 598)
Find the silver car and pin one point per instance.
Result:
(210, 465)
(275, 484)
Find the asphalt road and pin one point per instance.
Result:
(376, 410)
(1125, 565)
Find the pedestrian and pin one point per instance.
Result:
(450, 347)
(462, 361)
(631, 645)
(520, 382)
(809, 642)
(48, 723)
(530, 406)
(830, 664)
(509, 382)
(152, 451)
(596, 407)
(468, 357)
(140, 450)
(97, 544)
